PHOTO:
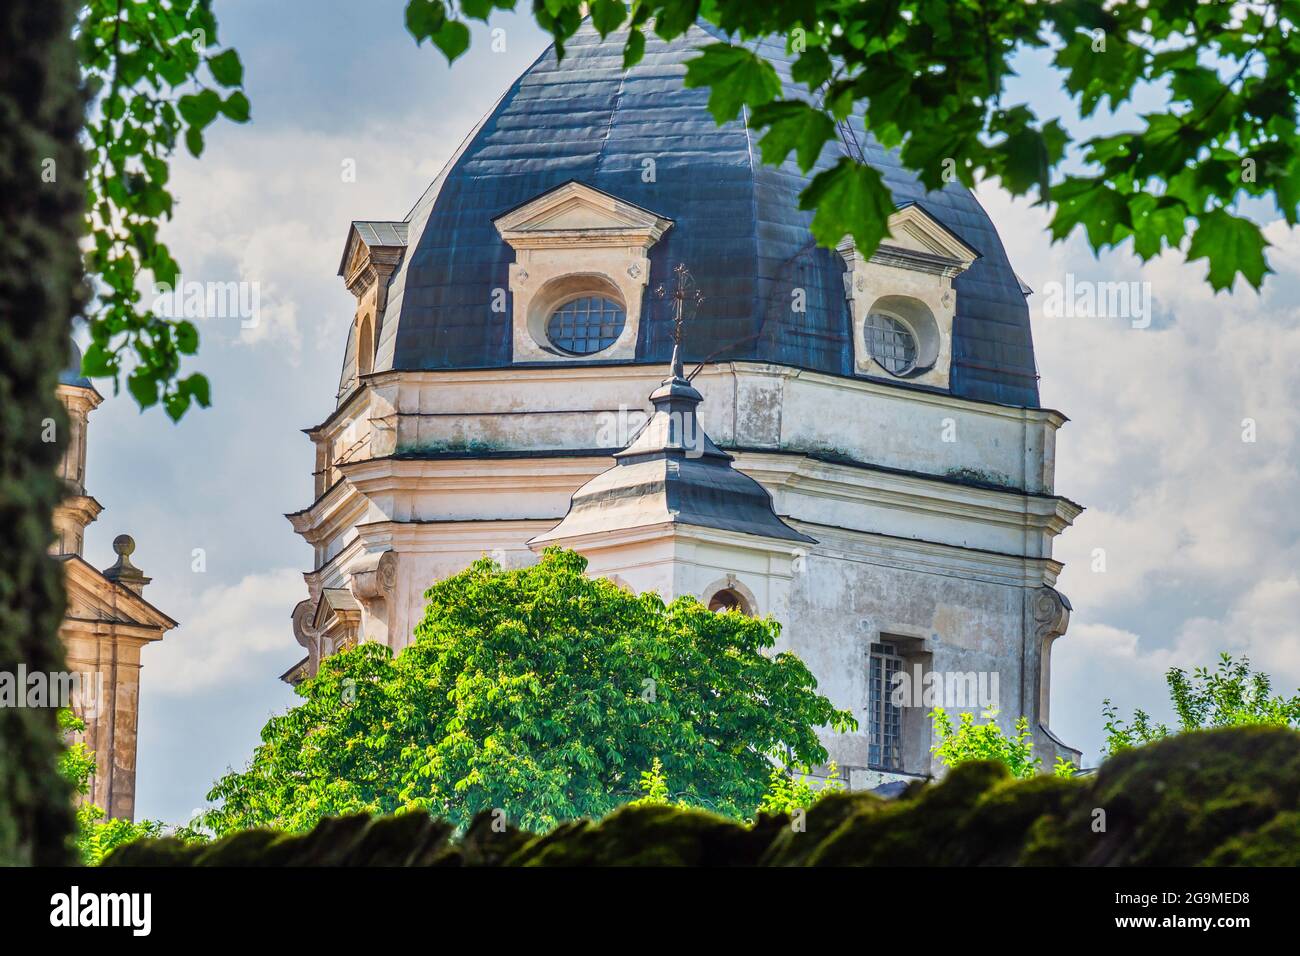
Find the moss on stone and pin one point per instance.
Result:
(650, 835)
(1276, 843)
(1223, 797)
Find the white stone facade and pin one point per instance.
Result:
(933, 516)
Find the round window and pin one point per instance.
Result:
(890, 343)
(586, 325)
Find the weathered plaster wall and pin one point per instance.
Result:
(941, 543)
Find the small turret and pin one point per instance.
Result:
(77, 509)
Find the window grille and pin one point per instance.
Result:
(891, 343)
(586, 325)
(885, 720)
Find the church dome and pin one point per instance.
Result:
(641, 136)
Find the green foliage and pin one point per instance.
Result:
(98, 836)
(929, 78)
(654, 785)
(1232, 695)
(144, 64)
(735, 76)
(1219, 798)
(542, 693)
(971, 741)
(786, 794)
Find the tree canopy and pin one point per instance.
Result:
(543, 694)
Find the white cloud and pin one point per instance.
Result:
(227, 634)
(1199, 537)
(271, 206)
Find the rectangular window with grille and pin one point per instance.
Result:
(885, 720)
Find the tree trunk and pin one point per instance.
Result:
(42, 204)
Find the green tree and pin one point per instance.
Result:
(540, 692)
(986, 741)
(97, 836)
(1230, 695)
(787, 793)
(929, 79)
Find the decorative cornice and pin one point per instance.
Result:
(332, 513)
(83, 508)
(579, 374)
(622, 537)
(526, 477)
(83, 398)
(864, 484)
(932, 557)
(374, 269)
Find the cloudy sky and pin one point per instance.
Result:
(1195, 525)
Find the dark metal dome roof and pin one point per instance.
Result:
(738, 226)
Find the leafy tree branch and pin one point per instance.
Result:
(156, 76)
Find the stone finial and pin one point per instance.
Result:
(123, 572)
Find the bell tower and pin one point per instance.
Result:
(107, 622)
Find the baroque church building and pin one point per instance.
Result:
(107, 622)
(852, 445)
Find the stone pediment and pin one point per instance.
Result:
(577, 214)
(93, 597)
(917, 240)
(914, 228)
(372, 251)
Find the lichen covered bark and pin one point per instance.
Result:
(41, 215)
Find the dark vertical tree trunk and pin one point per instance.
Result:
(41, 209)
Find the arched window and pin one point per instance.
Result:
(586, 325)
(365, 348)
(729, 600)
